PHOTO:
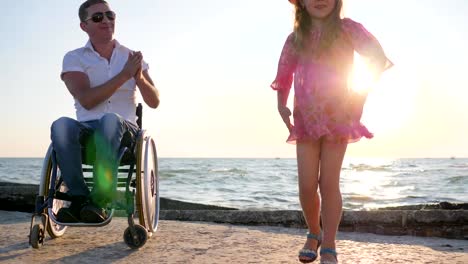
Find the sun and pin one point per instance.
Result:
(362, 77)
(390, 100)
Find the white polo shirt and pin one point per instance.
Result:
(99, 71)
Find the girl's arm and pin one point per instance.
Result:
(284, 78)
(283, 110)
(371, 50)
(366, 45)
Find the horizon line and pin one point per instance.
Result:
(207, 157)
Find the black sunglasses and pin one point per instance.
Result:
(99, 16)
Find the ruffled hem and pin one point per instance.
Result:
(280, 84)
(339, 134)
(388, 64)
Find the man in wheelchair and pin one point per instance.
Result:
(102, 77)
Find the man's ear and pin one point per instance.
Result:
(83, 26)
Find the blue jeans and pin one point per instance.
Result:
(70, 136)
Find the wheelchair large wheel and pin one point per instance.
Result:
(147, 184)
(53, 229)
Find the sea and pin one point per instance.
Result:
(271, 184)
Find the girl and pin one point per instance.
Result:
(319, 56)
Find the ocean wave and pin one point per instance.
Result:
(458, 179)
(266, 198)
(406, 188)
(366, 167)
(459, 166)
(358, 198)
(408, 175)
(352, 206)
(394, 183)
(232, 170)
(180, 171)
(246, 200)
(227, 190)
(165, 174)
(415, 197)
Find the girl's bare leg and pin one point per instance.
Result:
(308, 154)
(331, 160)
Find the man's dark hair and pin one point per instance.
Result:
(83, 11)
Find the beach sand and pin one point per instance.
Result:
(201, 242)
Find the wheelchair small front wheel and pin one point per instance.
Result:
(37, 236)
(137, 241)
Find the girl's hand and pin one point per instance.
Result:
(285, 114)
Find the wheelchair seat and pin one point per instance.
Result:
(88, 153)
(138, 154)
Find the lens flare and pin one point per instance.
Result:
(105, 171)
(362, 77)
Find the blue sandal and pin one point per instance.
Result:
(330, 251)
(310, 254)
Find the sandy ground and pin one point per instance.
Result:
(197, 242)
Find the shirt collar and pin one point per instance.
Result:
(89, 46)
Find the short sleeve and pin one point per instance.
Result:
(71, 62)
(366, 44)
(286, 66)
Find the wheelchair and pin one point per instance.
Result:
(137, 175)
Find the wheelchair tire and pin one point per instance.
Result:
(139, 240)
(53, 229)
(148, 185)
(37, 236)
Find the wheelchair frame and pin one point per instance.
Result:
(141, 159)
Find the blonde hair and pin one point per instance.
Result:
(303, 25)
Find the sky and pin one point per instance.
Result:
(213, 62)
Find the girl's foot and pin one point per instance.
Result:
(328, 256)
(309, 252)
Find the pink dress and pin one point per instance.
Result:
(323, 104)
